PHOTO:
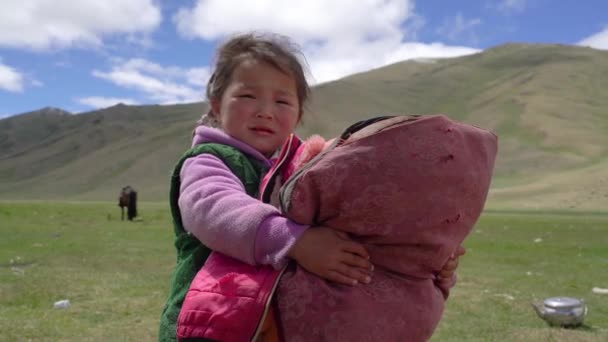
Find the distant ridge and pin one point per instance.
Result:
(548, 104)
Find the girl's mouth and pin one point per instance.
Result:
(262, 130)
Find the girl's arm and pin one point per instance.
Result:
(216, 209)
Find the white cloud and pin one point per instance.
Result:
(44, 24)
(598, 40)
(304, 20)
(434, 50)
(512, 5)
(10, 79)
(103, 102)
(458, 27)
(339, 37)
(163, 84)
(198, 76)
(329, 64)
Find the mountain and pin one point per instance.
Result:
(91, 155)
(547, 103)
(24, 130)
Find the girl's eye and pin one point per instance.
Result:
(247, 96)
(283, 102)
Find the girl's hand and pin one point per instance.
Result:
(332, 255)
(450, 266)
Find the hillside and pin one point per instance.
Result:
(547, 103)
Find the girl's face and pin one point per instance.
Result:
(259, 107)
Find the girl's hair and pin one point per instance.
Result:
(274, 49)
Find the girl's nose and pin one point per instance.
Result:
(265, 109)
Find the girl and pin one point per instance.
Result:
(256, 96)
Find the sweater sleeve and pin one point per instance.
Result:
(216, 209)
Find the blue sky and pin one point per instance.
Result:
(89, 54)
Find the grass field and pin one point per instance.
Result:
(115, 274)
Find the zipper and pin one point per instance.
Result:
(282, 158)
(258, 330)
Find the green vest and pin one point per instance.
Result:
(191, 253)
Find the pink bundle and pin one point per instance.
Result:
(410, 189)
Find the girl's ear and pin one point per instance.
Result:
(215, 108)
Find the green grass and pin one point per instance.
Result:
(116, 274)
(504, 270)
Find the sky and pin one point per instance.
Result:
(89, 54)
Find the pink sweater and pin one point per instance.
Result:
(216, 209)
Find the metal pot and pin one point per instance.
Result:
(562, 311)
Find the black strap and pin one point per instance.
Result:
(362, 124)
